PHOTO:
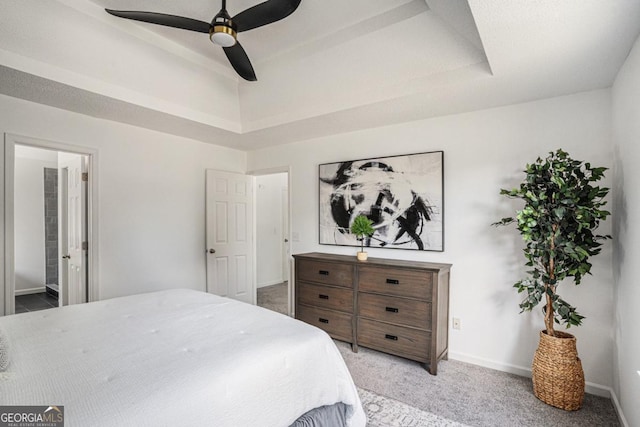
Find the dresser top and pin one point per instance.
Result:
(385, 262)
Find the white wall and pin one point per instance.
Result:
(151, 195)
(626, 211)
(483, 152)
(269, 236)
(30, 259)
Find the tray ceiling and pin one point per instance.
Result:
(332, 66)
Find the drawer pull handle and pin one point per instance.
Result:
(323, 296)
(323, 320)
(393, 281)
(391, 337)
(323, 272)
(391, 309)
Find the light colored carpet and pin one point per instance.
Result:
(461, 392)
(274, 297)
(468, 394)
(384, 412)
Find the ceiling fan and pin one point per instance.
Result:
(223, 28)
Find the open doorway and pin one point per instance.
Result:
(272, 242)
(50, 226)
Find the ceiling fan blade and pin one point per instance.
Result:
(163, 19)
(265, 13)
(240, 62)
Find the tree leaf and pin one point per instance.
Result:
(563, 206)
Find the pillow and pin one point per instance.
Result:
(4, 351)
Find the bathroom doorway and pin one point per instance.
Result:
(50, 224)
(77, 256)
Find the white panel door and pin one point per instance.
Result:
(285, 234)
(73, 277)
(229, 212)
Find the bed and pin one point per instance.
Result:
(176, 358)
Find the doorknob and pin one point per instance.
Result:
(212, 251)
(66, 256)
(286, 240)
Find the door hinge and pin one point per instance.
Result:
(85, 176)
(85, 246)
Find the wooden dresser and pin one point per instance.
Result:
(398, 307)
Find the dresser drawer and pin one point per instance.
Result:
(336, 324)
(399, 282)
(401, 341)
(402, 311)
(325, 272)
(325, 296)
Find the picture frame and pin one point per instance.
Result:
(402, 195)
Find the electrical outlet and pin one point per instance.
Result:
(456, 323)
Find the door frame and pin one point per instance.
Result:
(7, 190)
(270, 171)
(284, 201)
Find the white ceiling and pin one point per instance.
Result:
(332, 66)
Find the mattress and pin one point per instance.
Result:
(174, 358)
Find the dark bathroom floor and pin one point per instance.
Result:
(35, 302)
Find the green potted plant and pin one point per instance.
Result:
(362, 227)
(563, 207)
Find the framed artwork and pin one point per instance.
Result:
(402, 195)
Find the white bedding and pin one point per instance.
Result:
(174, 358)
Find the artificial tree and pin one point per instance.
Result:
(563, 207)
(362, 227)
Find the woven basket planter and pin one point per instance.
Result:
(558, 378)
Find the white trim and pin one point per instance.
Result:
(487, 363)
(616, 405)
(96, 12)
(591, 388)
(3, 241)
(30, 291)
(270, 171)
(10, 141)
(598, 390)
(9, 228)
(270, 283)
(292, 278)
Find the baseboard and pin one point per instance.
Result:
(29, 291)
(591, 388)
(270, 283)
(616, 405)
(487, 363)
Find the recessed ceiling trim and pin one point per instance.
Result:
(143, 33)
(50, 72)
(383, 93)
(39, 90)
(457, 14)
(352, 32)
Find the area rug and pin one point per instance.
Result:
(385, 412)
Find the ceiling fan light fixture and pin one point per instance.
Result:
(223, 35)
(223, 28)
